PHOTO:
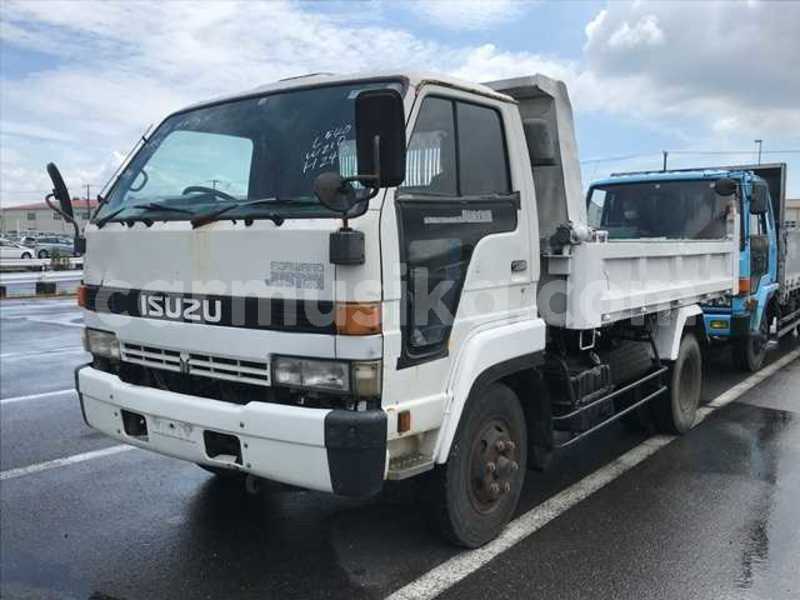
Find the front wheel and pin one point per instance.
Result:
(475, 494)
(749, 353)
(675, 411)
(26, 256)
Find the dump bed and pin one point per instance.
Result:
(596, 283)
(587, 280)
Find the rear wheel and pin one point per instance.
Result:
(675, 411)
(749, 353)
(475, 494)
(42, 254)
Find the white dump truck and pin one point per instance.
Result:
(335, 281)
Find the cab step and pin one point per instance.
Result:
(403, 467)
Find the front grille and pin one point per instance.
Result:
(249, 312)
(192, 363)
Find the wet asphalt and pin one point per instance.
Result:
(715, 514)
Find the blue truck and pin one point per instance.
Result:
(640, 205)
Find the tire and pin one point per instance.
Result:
(470, 501)
(43, 254)
(26, 256)
(675, 411)
(750, 352)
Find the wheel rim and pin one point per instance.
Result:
(493, 465)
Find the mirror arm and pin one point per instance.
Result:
(49, 201)
(372, 182)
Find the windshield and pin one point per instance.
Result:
(689, 209)
(269, 148)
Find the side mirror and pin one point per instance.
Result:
(334, 192)
(725, 186)
(380, 138)
(60, 192)
(346, 246)
(759, 201)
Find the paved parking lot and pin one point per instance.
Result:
(711, 515)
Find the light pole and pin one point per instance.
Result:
(758, 144)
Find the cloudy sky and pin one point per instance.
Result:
(82, 80)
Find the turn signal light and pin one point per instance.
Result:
(404, 421)
(83, 294)
(744, 286)
(358, 318)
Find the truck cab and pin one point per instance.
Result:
(763, 306)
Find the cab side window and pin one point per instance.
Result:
(431, 157)
(759, 248)
(457, 149)
(482, 161)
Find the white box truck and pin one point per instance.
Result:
(334, 281)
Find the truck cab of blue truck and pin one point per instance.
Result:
(767, 305)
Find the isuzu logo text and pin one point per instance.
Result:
(180, 309)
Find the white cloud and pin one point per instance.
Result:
(645, 32)
(594, 26)
(694, 70)
(469, 14)
(721, 56)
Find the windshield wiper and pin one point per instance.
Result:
(214, 215)
(145, 206)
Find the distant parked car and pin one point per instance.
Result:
(9, 249)
(27, 240)
(47, 247)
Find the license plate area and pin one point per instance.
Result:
(171, 428)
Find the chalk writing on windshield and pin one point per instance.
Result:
(324, 150)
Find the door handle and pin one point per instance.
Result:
(519, 266)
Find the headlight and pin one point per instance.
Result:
(361, 378)
(317, 374)
(101, 343)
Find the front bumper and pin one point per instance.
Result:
(727, 325)
(717, 325)
(336, 451)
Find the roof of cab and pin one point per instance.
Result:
(413, 79)
(646, 176)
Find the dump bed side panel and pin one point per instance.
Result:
(599, 283)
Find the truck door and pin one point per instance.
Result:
(462, 246)
(759, 248)
(455, 204)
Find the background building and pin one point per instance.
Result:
(38, 218)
